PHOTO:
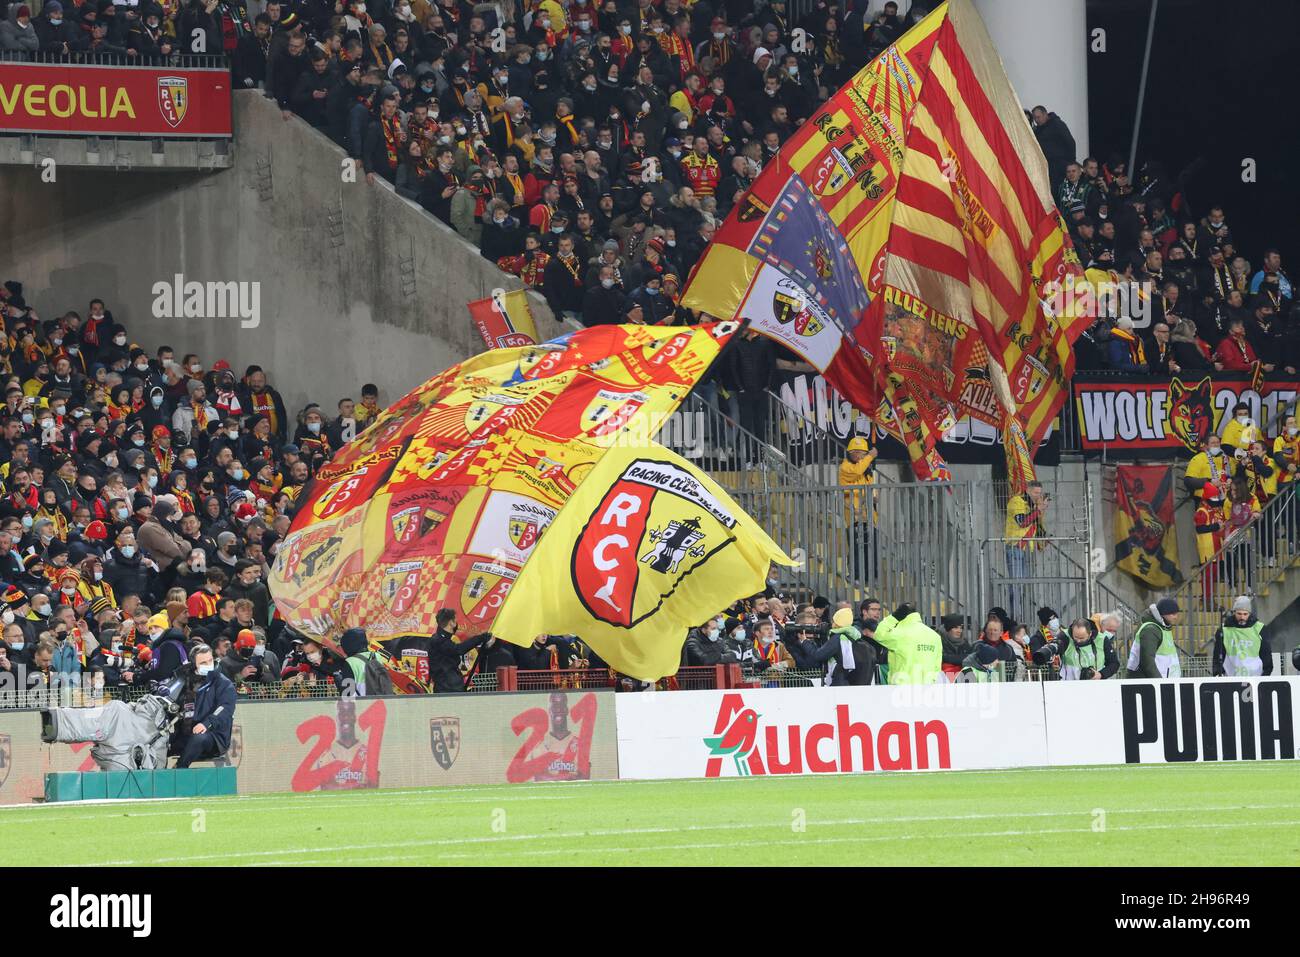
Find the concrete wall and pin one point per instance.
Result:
(357, 284)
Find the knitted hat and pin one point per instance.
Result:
(353, 641)
(15, 596)
(97, 531)
(1045, 615)
(160, 620)
(1241, 603)
(1167, 606)
(842, 618)
(99, 606)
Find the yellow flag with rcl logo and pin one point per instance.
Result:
(646, 548)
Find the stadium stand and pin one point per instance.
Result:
(590, 151)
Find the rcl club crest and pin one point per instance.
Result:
(444, 740)
(523, 532)
(790, 306)
(485, 588)
(400, 586)
(609, 411)
(415, 522)
(173, 99)
(654, 526)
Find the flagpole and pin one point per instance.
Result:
(1142, 93)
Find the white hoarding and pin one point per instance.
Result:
(1152, 722)
(696, 734)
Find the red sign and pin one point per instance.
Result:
(119, 100)
(1153, 417)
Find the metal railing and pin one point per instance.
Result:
(1252, 559)
(189, 61)
(894, 542)
(737, 459)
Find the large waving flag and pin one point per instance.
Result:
(904, 242)
(646, 548)
(442, 500)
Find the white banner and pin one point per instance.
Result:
(696, 734)
(1152, 722)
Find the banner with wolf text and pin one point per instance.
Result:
(1147, 417)
(441, 501)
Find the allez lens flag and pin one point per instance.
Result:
(441, 501)
(646, 548)
(904, 241)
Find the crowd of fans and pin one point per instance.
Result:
(144, 495)
(591, 148)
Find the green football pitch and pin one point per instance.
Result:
(1152, 815)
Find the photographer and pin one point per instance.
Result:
(808, 644)
(1049, 633)
(168, 653)
(1086, 655)
(204, 731)
(308, 662)
(249, 661)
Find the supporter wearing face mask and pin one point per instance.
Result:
(127, 571)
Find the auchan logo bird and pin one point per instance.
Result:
(737, 740)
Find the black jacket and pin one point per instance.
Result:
(504, 240)
(214, 707)
(248, 64)
(305, 103)
(257, 593)
(603, 307)
(444, 661)
(130, 576)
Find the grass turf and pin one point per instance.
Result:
(1199, 814)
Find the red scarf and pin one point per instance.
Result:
(392, 127)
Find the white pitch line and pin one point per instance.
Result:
(625, 832)
(862, 839)
(231, 808)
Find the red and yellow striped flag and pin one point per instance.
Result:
(905, 243)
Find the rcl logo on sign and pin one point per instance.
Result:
(1223, 721)
(741, 745)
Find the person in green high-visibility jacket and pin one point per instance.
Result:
(1240, 648)
(1154, 654)
(1088, 654)
(915, 650)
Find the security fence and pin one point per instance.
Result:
(1265, 554)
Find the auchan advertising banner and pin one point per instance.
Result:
(710, 734)
(114, 100)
